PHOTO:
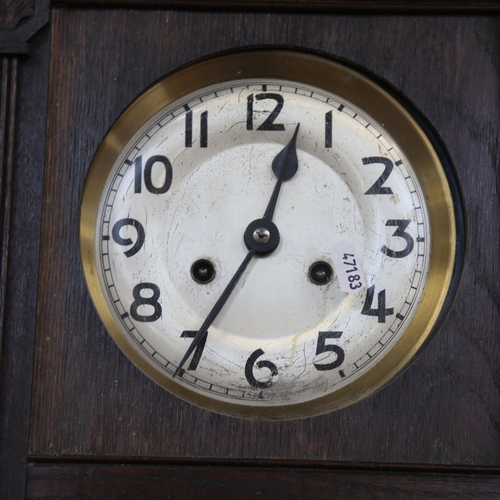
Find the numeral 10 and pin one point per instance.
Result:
(148, 169)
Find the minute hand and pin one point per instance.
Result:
(284, 165)
(215, 310)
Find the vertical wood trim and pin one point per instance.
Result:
(8, 100)
(22, 133)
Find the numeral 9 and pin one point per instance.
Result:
(128, 241)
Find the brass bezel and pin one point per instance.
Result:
(363, 92)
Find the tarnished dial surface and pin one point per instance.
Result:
(167, 223)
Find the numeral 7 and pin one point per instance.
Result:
(195, 360)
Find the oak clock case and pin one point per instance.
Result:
(270, 234)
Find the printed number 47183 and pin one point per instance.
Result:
(347, 266)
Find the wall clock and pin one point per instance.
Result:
(271, 233)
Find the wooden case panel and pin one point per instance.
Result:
(89, 400)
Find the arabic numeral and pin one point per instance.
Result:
(159, 162)
(268, 123)
(381, 311)
(144, 302)
(328, 130)
(203, 129)
(322, 347)
(378, 187)
(249, 368)
(128, 241)
(198, 353)
(400, 232)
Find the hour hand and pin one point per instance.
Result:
(285, 166)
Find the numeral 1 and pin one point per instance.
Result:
(328, 129)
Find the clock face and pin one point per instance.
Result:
(267, 245)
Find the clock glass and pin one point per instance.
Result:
(270, 234)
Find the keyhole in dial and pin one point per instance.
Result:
(203, 271)
(320, 272)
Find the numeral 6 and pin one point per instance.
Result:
(260, 364)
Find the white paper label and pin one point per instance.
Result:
(347, 266)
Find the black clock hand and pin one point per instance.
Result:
(216, 309)
(261, 237)
(285, 165)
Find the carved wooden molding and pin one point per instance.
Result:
(14, 13)
(20, 20)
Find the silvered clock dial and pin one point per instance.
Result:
(270, 233)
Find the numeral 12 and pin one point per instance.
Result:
(268, 123)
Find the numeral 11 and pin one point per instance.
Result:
(203, 129)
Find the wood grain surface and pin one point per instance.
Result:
(350, 6)
(88, 399)
(248, 483)
(8, 101)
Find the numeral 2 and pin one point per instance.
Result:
(378, 187)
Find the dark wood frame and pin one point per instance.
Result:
(24, 471)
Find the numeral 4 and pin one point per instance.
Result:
(381, 312)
